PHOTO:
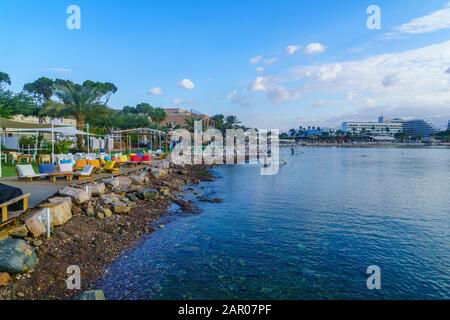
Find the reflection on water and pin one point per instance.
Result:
(309, 232)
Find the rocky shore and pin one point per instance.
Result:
(90, 226)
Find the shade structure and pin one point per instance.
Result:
(30, 127)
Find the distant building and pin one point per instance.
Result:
(381, 129)
(419, 128)
(448, 126)
(179, 116)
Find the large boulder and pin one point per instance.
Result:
(16, 256)
(113, 182)
(137, 180)
(109, 199)
(19, 231)
(78, 196)
(124, 181)
(97, 189)
(159, 173)
(61, 199)
(37, 223)
(61, 212)
(148, 194)
(92, 295)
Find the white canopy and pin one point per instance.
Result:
(18, 126)
(67, 131)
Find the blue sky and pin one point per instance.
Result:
(340, 70)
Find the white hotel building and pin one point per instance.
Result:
(380, 128)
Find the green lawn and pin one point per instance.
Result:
(9, 170)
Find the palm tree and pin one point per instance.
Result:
(189, 123)
(78, 101)
(171, 126)
(231, 122)
(159, 115)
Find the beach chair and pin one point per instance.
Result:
(8, 216)
(26, 172)
(110, 167)
(86, 174)
(146, 159)
(79, 164)
(96, 164)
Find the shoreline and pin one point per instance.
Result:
(94, 243)
(377, 145)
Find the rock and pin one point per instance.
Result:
(90, 212)
(61, 212)
(107, 213)
(36, 242)
(61, 199)
(165, 191)
(113, 182)
(164, 164)
(148, 194)
(159, 173)
(5, 278)
(133, 197)
(108, 199)
(19, 232)
(100, 216)
(78, 196)
(16, 256)
(121, 208)
(77, 211)
(124, 181)
(37, 223)
(92, 295)
(97, 189)
(137, 180)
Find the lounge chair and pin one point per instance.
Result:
(86, 174)
(26, 172)
(7, 216)
(96, 164)
(80, 164)
(110, 167)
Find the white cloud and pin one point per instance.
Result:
(292, 49)
(328, 73)
(409, 79)
(179, 102)
(448, 70)
(259, 84)
(155, 91)
(314, 48)
(186, 84)
(270, 61)
(238, 99)
(279, 94)
(256, 60)
(260, 69)
(435, 21)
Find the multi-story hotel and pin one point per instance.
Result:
(179, 116)
(380, 128)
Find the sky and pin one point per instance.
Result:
(273, 63)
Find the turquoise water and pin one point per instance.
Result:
(309, 232)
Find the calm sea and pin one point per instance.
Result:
(309, 232)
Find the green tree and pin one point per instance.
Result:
(189, 123)
(231, 122)
(5, 80)
(78, 101)
(158, 115)
(145, 109)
